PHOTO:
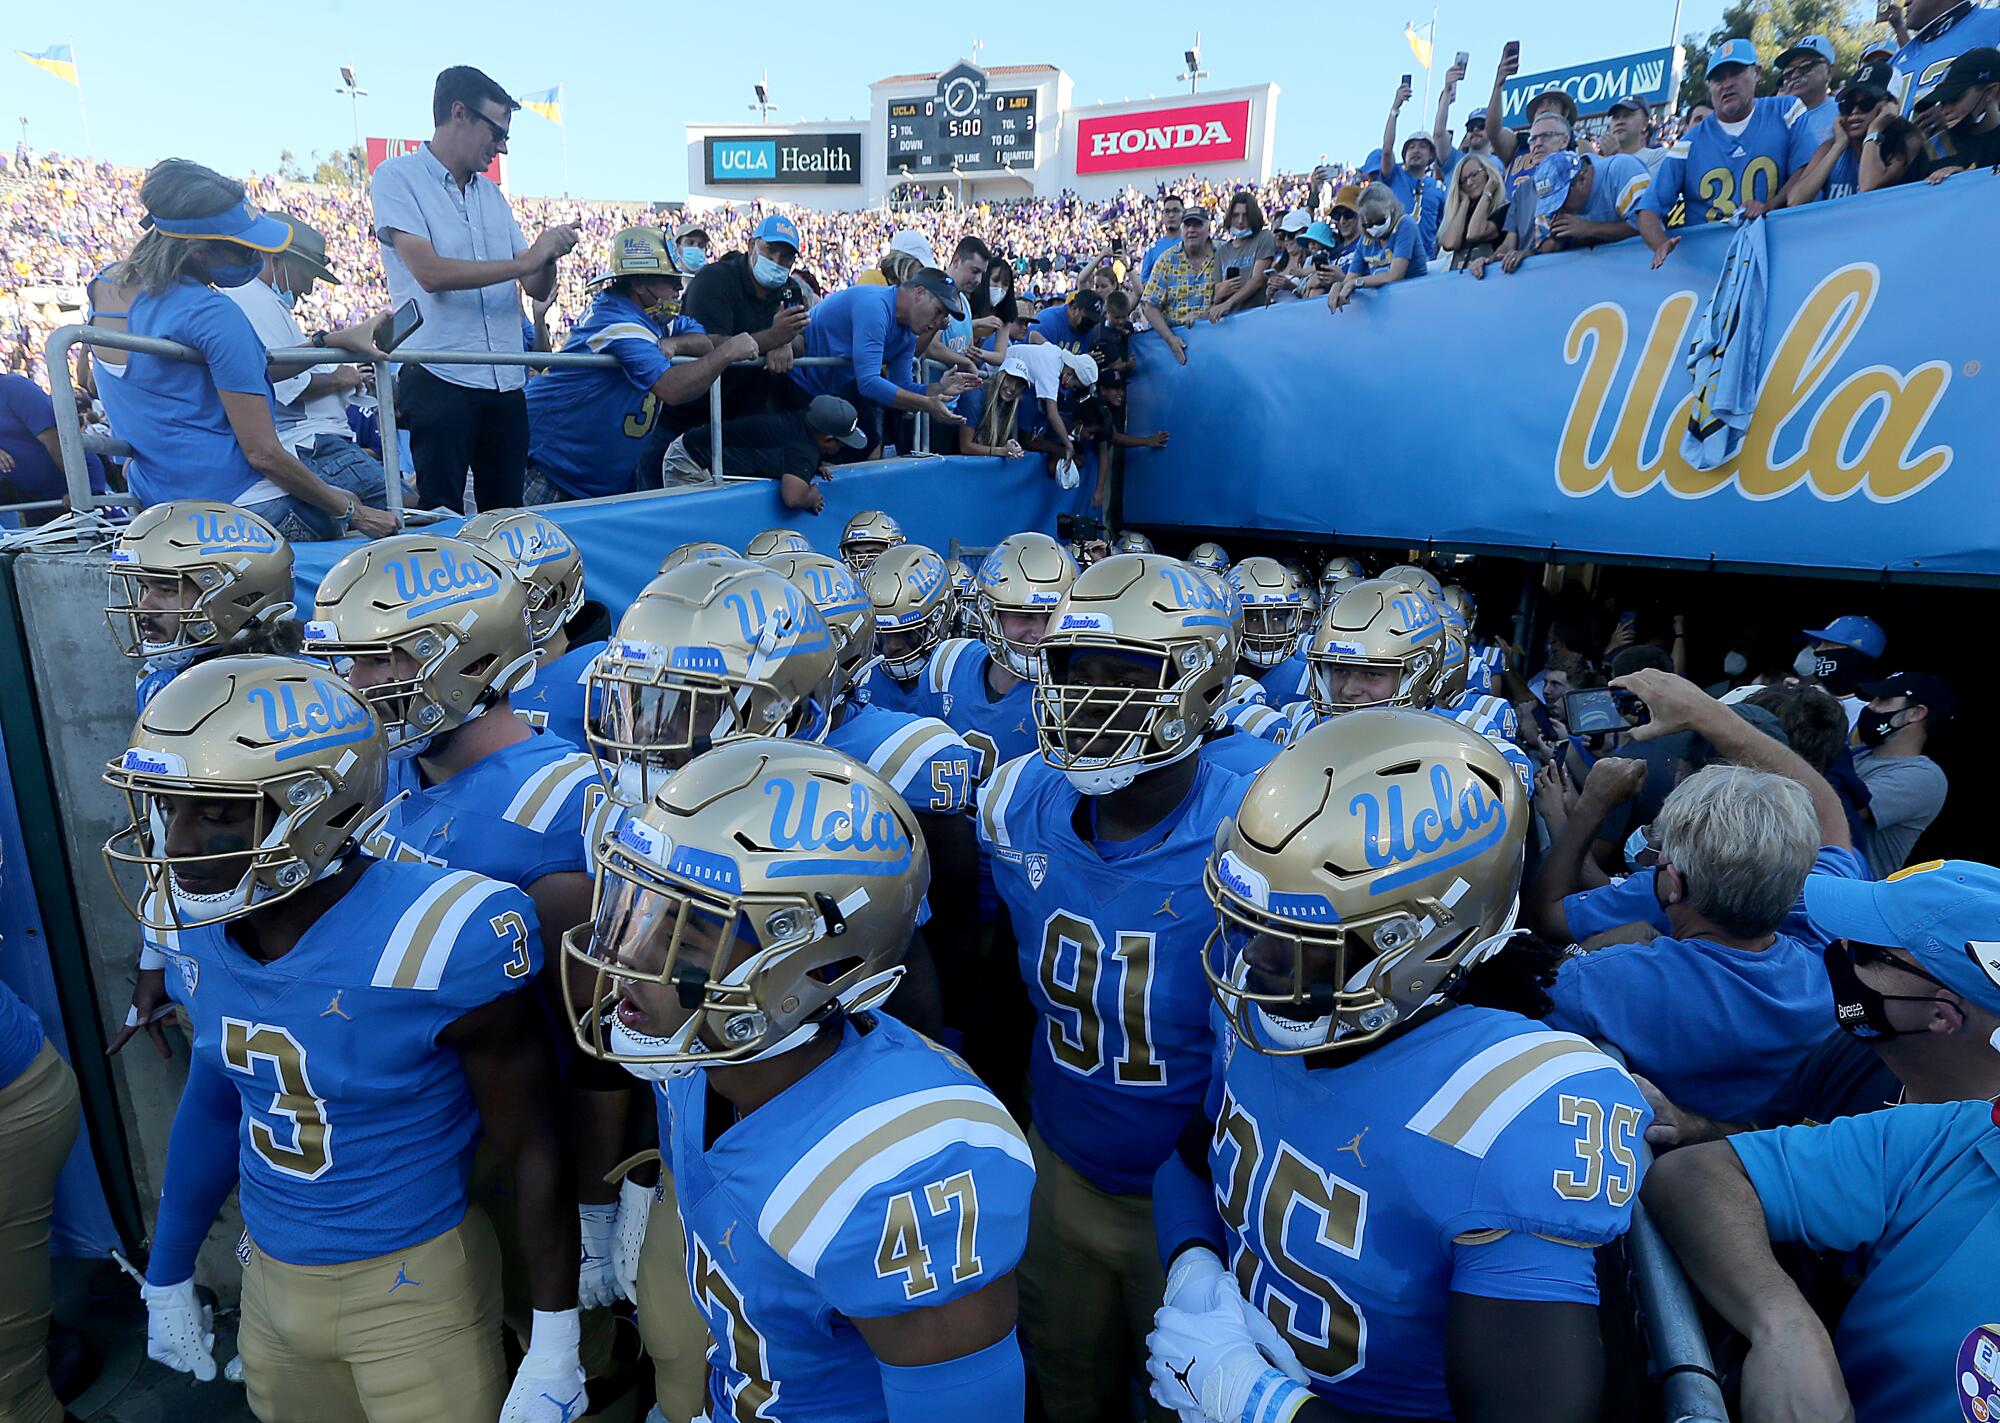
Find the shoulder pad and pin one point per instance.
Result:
(466, 936)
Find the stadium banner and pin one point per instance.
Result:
(381, 150)
(979, 502)
(819, 159)
(1542, 412)
(1652, 75)
(1179, 137)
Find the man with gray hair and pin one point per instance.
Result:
(1719, 1010)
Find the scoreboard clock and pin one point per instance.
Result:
(963, 126)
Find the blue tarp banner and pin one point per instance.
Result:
(977, 501)
(1542, 411)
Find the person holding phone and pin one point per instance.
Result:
(1420, 194)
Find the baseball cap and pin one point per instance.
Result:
(1945, 914)
(1017, 367)
(942, 287)
(1477, 116)
(1552, 178)
(830, 415)
(308, 248)
(1632, 102)
(1852, 630)
(1734, 51)
(1088, 302)
(1084, 366)
(1972, 70)
(1815, 46)
(1348, 197)
(778, 228)
(1193, 214)
(1322, 234)
(1297, 220)
(1920, 687)
(914, 243)
(1874, 77)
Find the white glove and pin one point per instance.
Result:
(1200, 1284)
(1212, 1362)
(548, 1388)
(635, 1208)
(179, 1329)
(596, 1283)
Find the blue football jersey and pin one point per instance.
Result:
(1716, 172)
(1919, 65)
(516, 814)
(1287, 681)
(358, 1127)
(888, 1180)
(910, 698)
(1489, 661)
(998, 728)
(587, 427)
(1243, 752)
(1110, 948)
(921, 758)
(1495, 719)
(1477, 1153)
(561, 689)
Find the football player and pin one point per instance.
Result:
(868, 536)
(693, 549)
(1401, 1174)
(1246, 731)
(984, 688)
(964, 599)
(1492, 717)
(567, 628)
(357, 1024)
(1275, 625)
(1132, 541)
(1209, 555)
(910, 592)
(1097, 842)
(194, 579)
(854, 1201)
(772, 542)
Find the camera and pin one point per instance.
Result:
(1079, 528)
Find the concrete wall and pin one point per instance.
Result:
(83, 689)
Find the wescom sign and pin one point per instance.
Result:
(1164, 138)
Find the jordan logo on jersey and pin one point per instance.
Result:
(1167, 906)
(1038, 869)
(724, 1242)
(1355, 1145)
(334, 1010)
(403, 1278)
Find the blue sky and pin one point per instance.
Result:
(634, 73)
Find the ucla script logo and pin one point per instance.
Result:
(535, 544)
(855, 826)
(793, 625)
(329, 715)
(1416, 841)
(230, 533)
(1860, 436)
(1418, 615)
(438, 578)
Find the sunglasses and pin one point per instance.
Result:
(500, 135)
(1859, 103)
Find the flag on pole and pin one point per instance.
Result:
(59, 60)
(1419, 46)
(548, 104)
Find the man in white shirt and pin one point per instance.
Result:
(311, 402)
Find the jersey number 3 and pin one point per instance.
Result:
(292, 1134)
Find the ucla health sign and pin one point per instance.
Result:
(1871, 447)
(786, 159)
(1651, 77)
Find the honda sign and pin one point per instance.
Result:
(1183, 137)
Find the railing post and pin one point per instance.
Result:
(392, 444)
(715, 431)
(69, 435)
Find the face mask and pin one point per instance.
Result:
(1237, 234)
(996, 295)
(1806, 664)
(693, 259)
(1378, 230)
(1735, 664)
(769, 274)
(665, 309)
(1636, 844)
(1874, 728)
(236, 276)
(289, 297)
(1860, 1010)
(1840, 669)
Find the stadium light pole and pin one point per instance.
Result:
(1194, 73)
(354, 97)
(763, 106)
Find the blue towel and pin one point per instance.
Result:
(1726, 353)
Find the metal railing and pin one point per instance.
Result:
(75, 446)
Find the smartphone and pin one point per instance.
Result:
(1464, 58)
(1231, 272)
(1406, 81)
(402, 322)
(1511, 50)
(1592, 711)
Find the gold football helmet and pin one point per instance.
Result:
(1273, 607)
(964, 607)
(837, 593)
(195, 573)
(776, 541)
(430, 630)
(868, 536)
(696, 548)
(1457, 648)
(1026, 574)
(1411, 576)
(536, 550)
(1135, 661)
(717, 650)
(911, 594)
(282, 749)
(1381, 644)
(1338, 567)
(1132, 541)
(1209, 555)
(768, 886)
(1369, 865)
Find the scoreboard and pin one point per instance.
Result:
(963, 126)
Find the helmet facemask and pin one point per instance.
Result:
(1413, 681)
(1023, 659)
(916, 639)
(1271, 632)
(1104, 734)
(420, 698)
(157, 612)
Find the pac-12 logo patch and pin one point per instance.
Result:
(1038, 870)
(1979, 1375)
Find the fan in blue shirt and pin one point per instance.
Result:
(1412, 183)
(1944, 31)
(1912, 1192)
(876, 331)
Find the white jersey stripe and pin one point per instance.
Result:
(535, 804)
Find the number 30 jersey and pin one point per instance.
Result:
(887, 1180)
(1110, 947)
(358, 1127)
(1477, 1153)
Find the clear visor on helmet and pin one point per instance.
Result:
(1270, 631)
(1092, 725)
(156, 611)
(190, 891)
(647, 721)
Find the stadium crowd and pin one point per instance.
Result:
(1093, 981)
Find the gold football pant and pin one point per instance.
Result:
(412, 1337)
(1090, 1281)
(675, 1333)
(38, 1118)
